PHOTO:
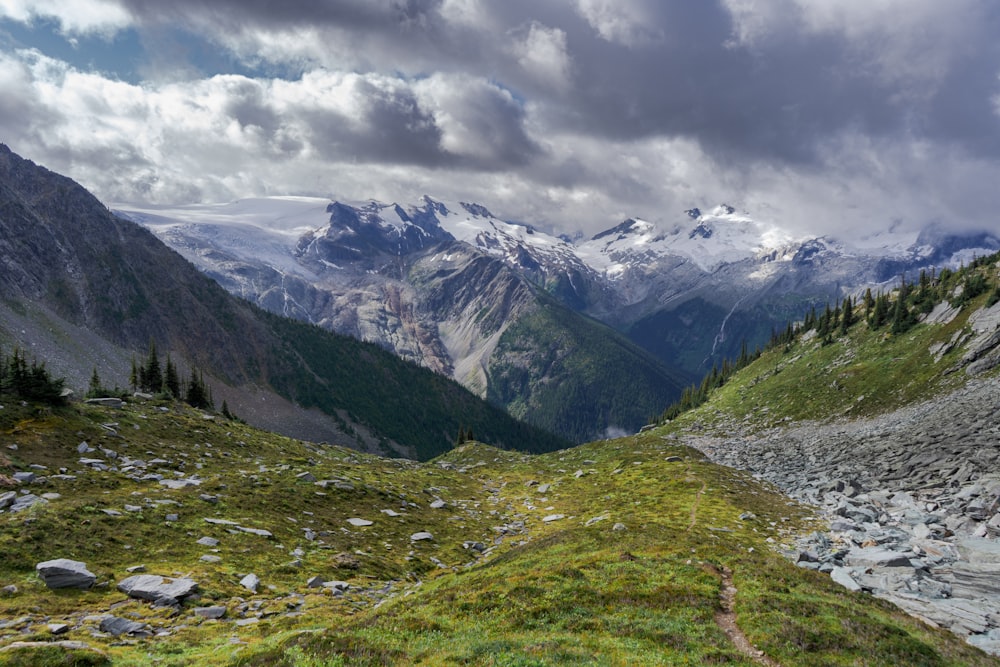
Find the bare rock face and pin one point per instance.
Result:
(65, 573)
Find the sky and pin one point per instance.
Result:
(834, 117)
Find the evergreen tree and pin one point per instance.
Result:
(94, 389)
(133, 376)
(460, 439)
(880, 313)
(196, 396)
(469, 436)
(869, 303)
(846, 316)
(171, 381)
(154, 374)
(902, 319)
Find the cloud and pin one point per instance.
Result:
(825, 114)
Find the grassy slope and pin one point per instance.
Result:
(864, 373)
(561, 593)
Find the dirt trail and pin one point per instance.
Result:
(725, 617)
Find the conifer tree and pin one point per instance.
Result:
(846, 316)
(94, 389)
(133, 376)
(153, 374)
(171, 381)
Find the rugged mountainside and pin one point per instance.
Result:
(892, 430)
(76, 276)
(363, 270)
(452, 288)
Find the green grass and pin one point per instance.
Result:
(558, 593)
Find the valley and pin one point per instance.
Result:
(847, 466)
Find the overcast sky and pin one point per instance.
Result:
(821, 115)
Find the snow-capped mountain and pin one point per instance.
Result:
(447, 285)
(690, 287)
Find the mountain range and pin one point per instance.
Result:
(85, 290)
(500, 306)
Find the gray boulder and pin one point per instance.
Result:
(210, 612)
(122, 626)
(7, 499)
(65, 573)
(250, 582)
(154, 588)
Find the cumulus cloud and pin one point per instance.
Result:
(825, 114)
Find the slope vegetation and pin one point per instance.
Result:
(619, 552)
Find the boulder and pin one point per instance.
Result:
(423, 535)
(154, 588)
(122, 626)
(7, 499)
(250, 582)
(359, 523)
(210, 612)
(65, 573)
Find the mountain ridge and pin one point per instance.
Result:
(72, 265)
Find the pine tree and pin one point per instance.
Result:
(171, 381)
(133, 376)
(469, 436)
(152, 380)
(460, 439)
(847, 316)
(94, 389)
(196, 396)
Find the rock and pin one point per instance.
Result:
(423, 535)
(306, 477)
(578, 474)
(210, 613)
(106, 402)
(673, 459)
(243, 622)
(179, 483)
(315, 582)
(438, 504)
(544, 488)
(359, 523)
(336, 585)
(618, 527)
(58, 628)
(136, 569)
(25, 477)
(83, 448)
(122, 626)
(250, 582)
(154, 588)
(173, 517)
(553, 517)
(876, 557)
(390, 513)
(7, 499)
(208, 541)
(210, 558)
(478, 547)
(842, 576)
(65, 573)
(25, 501)
(112, 512)
(255, 531)
(133, 508)
(980, 551)
(8, 590)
